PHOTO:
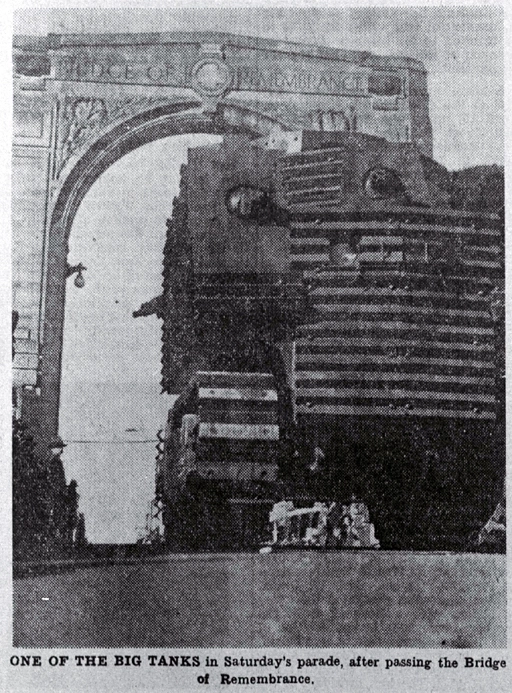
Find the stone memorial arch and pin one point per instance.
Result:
(83, 101)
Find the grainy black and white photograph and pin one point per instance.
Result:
(258, 333)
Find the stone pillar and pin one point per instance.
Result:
(53, 330)
(33, 124)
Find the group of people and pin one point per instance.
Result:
(337, 525)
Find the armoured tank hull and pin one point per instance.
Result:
(374, 304)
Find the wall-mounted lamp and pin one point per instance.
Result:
(77, 269)
(57, 446)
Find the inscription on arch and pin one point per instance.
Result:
(183, 66)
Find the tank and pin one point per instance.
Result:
(368, 282)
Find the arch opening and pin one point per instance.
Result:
(110, 399)
(110, 146)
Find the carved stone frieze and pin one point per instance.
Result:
(82, 119)
(125, 108)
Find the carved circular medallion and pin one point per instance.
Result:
(211, 77)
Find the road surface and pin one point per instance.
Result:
(331, 599)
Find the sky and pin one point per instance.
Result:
(111, 371)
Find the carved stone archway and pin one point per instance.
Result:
(83, 101)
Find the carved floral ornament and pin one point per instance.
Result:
(83, 118)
